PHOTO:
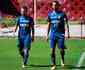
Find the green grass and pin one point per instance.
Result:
(39, 55)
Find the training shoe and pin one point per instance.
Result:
(24, 66)
(62, 64)
(53, 67)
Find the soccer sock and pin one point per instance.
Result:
(53, 59)
(21, 52)
(62, 55)
(25, 56)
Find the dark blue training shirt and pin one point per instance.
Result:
(24, 24)
(57, 21)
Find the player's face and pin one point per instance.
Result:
(23, 11)
(54, 6)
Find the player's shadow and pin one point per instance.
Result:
(59, 66)
(34, 65)
(74, 67)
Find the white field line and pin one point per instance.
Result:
(82, 57)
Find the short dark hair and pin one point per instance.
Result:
(57, 3)
(25, 8)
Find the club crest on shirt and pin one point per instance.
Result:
(23, 20)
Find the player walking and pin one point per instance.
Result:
(56, 32)
(25, 34)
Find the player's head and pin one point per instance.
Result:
(55, 5)
(24, 10)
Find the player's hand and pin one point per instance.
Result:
(47, 38)
(68, 36)
(32, 38)
(14, 30)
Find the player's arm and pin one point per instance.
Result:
(66, 21)
(48, 29)
(48, 26)
(32, 30)
(16, 26)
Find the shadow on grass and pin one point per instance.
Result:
(59, 66)
(74, 67)
(39, 65)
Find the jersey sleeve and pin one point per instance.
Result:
(17, 21)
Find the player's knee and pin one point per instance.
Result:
(26, 51)
(53, 54)
(62, 51)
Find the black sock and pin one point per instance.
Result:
(53, 59)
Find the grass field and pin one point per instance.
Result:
(39, 55)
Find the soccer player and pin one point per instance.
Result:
(25, 34)
(56, 32)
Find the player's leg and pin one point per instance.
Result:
(27, 45)
(53, 57)
(26, 55)
(62, 50)
(52, 50)
(20, 47)
(21, 52)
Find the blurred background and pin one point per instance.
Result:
(40, 51)
(38, 9)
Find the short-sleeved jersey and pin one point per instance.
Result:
(57, 21)
(24, 24)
